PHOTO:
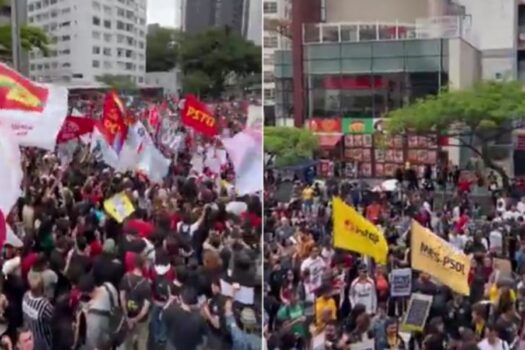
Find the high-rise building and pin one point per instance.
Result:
(200, 15)
(255, 22)
(277, 13)
(91, 39)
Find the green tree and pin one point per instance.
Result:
(476, 117)
(117, 82)
(30, 38)
(217, 53)
(162, 49)
(289, 145)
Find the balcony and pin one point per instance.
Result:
(425, 28)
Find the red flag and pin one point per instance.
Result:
(74, 127)
(154, 117)
(114, 121)
(196, 115)
(3, 228)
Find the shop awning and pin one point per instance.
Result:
(329, 141)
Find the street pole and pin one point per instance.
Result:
(15, 36)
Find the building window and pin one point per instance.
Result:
(120, 38)
(96, 5)
(107, 37)
(96, 35)
(38, 5)
(107, 10)
(96, 64)
(270, 7)
(78, 76)
(66, 38)
(107, 51)
(65, 24)
(121, 12)
(107, 65)
(107, 24)
(65, 52)
(121, 25)
(96, 50)
(270, 42)
(31, 7)
(268, 60)
(66, 10)
(96, 21)
(54, 13)
(130, 66)
(66, 65)
(269, 77)
(269, 94)
(53, 2)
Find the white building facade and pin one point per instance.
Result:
(91, 38)
(272, 41)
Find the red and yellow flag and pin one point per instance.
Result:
(196, 115)
(19, 93)
(114, 121)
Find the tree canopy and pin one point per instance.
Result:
(117, 82)
(218, 54)
(162, 49)
(289, 145)
(475, 116)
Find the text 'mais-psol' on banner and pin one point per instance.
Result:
(438, 258)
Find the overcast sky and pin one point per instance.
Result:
(164, 12)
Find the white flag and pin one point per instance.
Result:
(33, 112)
(11, 175)
(245, 151)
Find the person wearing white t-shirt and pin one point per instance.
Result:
(521, 205)
(316, 265)
(492, 341)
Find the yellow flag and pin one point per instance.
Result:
(119, 207)
(353, 232)
(435, 256)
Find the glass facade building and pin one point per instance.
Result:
(363, 79)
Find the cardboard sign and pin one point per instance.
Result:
(416, 315)
(119, 207)
(364, 345)
(401, 282)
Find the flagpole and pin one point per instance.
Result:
(15, 36)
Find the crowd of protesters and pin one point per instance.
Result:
(78, 279)
(352, 304)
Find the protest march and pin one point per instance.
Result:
(128, 223)
(353, 266)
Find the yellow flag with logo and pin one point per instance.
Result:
(119, 207)
(355, 233)
(441, 260)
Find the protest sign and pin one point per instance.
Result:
(364, 345)
(401, 282)
(417, 313)
(119, 207)
(242, 294)
(435, 256)
(355, 233)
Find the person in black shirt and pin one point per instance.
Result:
(458, 316)
(106, 267)
(187, 329)
(135, 296)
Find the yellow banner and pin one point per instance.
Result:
(119, 207)
(355, 233)
(435, 256)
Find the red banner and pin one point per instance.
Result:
(74, 127)
(196, 115)
(114, 126)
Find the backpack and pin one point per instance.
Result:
(118, 327)
(161, 288)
